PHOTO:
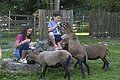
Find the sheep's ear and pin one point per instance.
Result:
(67, 24)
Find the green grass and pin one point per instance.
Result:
(95, 65)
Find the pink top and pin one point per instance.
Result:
(19, 38)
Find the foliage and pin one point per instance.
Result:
(106, 5)
(22, 6)
(30, 6)
(4, 7)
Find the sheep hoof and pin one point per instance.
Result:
(83, 77)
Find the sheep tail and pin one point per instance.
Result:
(86, 58)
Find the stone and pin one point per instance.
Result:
(15, 67)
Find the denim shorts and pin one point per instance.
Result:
(57, 38)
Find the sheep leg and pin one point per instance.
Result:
(66, 64)
(67, 73)
(43, 70)
(75, 64)
(81, 67)
(106, 64)
(88, 69)
(103, 64)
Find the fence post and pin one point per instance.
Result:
(39, 24)
(9, 23)
(0, 53)
(34, 23)
(57, 5)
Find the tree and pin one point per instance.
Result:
(30, 6)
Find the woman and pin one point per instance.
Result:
(22, 44)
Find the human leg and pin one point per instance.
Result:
(23, 52)
(52, 39)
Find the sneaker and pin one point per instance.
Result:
(55, 47)
(59, 46)
(22, 61)
(25, 61)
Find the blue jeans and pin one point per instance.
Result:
(18, 51)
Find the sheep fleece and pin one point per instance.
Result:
(53, 57)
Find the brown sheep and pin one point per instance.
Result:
(52, 59)
(75, 48)
(97, 51)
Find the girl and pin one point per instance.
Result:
(22, 44)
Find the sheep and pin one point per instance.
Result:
(52, 59)
(96, 51)
(75, 48)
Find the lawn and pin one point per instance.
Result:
(57, 74)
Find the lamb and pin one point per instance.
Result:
(97, 51)
(52, 59)
(75, 48)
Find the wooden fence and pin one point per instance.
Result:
(14, 23)
(39, 22)
(45, 15)
(97, 24)
(104, 24)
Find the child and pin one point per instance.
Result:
(54, 30)
(22, 44)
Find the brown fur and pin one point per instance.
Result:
(97, 51)
(52, 59)
(75, 48)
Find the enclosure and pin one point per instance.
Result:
(57, 74)
(104, 25)
(99, 24)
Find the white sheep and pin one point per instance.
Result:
(52, 59)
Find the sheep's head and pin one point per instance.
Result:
(67, 28)
(31, 55)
